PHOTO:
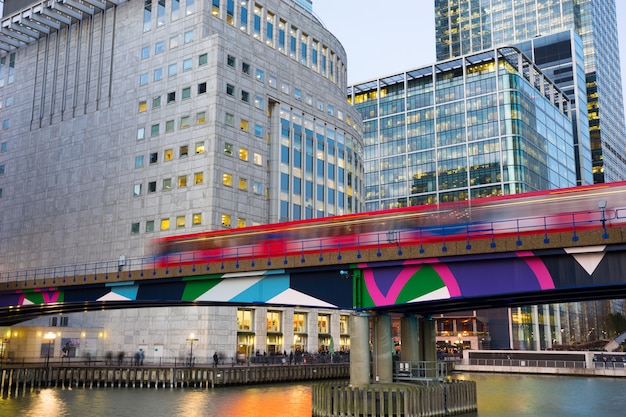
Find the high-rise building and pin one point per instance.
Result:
(485, 124)
(126, 121)
(463, 26)
(130, 121)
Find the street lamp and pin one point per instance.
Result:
(50, 336)
(191, 339)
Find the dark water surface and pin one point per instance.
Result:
(498, 396)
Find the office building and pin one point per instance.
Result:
(127, 121)
(481, 125)
(463, 26)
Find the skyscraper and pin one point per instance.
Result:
(463, 26)
(125, 121)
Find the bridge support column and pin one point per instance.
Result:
(359, 349)
(429, 339)
(409, 335)
(383, 349)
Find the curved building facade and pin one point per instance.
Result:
(146, 119)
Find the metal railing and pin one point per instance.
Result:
(82, 273)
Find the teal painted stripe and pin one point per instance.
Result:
(119, 284)
(263, 290)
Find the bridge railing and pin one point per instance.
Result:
(602, 220)
(529, 363)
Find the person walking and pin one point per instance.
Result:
(216, 359)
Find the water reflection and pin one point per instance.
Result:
(498, 395)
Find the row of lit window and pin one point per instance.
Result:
(181, 181)
(245, 321)
(165, 224)
(168, 154)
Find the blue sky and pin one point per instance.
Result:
(384, 38)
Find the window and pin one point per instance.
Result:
(203, 59)
(187, 64)
(196, 219)
(258, 103)
(225, 220)
(257, 187)
(184, 122)
(227, 180)
(158, 74)
(139, 161)
(273, 321)
(201, 88)
(230, 120)
(174, 42)
(243, 184)
(156, 102)
(159, 47)
(343, 324)
(258, 130)
(243, 125)
(143, 106)
(169, 126)
(260, 75)
(186, 93)
(180, 221)
(171, 97)
(330, 109)
(150, 226)
(198, 178)
(271, 80)
(320, 105)
(199, 147)
(168, 155)
(182, 181)
(154, 130)
(152, 187)
(145, 52)
(231, 61)
(243, 154)
(172, 69)
(244, 320)
(184, 151)
(230, 89)
(137, 189)
(245, 68)
(141, 133)
(245, 96)
(299, 322)
(297, 94)
(188, 36)
(167, 184)
(323, 323)
(228, 149)
(165, 224)
(1, 169)
(134, 229)
(200, 118)
(154, 157)
(285, 88)
(143, 79)
(257, 159)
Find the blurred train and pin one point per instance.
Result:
(598, 206)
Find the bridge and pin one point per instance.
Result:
(427, 278)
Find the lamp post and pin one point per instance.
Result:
(50, 336)
(191, 339)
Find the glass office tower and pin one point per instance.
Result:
(463, 26)
(481, 125)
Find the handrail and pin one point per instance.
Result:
(326, 246)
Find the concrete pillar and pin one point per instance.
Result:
(410, 339)
(359, 349)
(429, 339)
(383, 349)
